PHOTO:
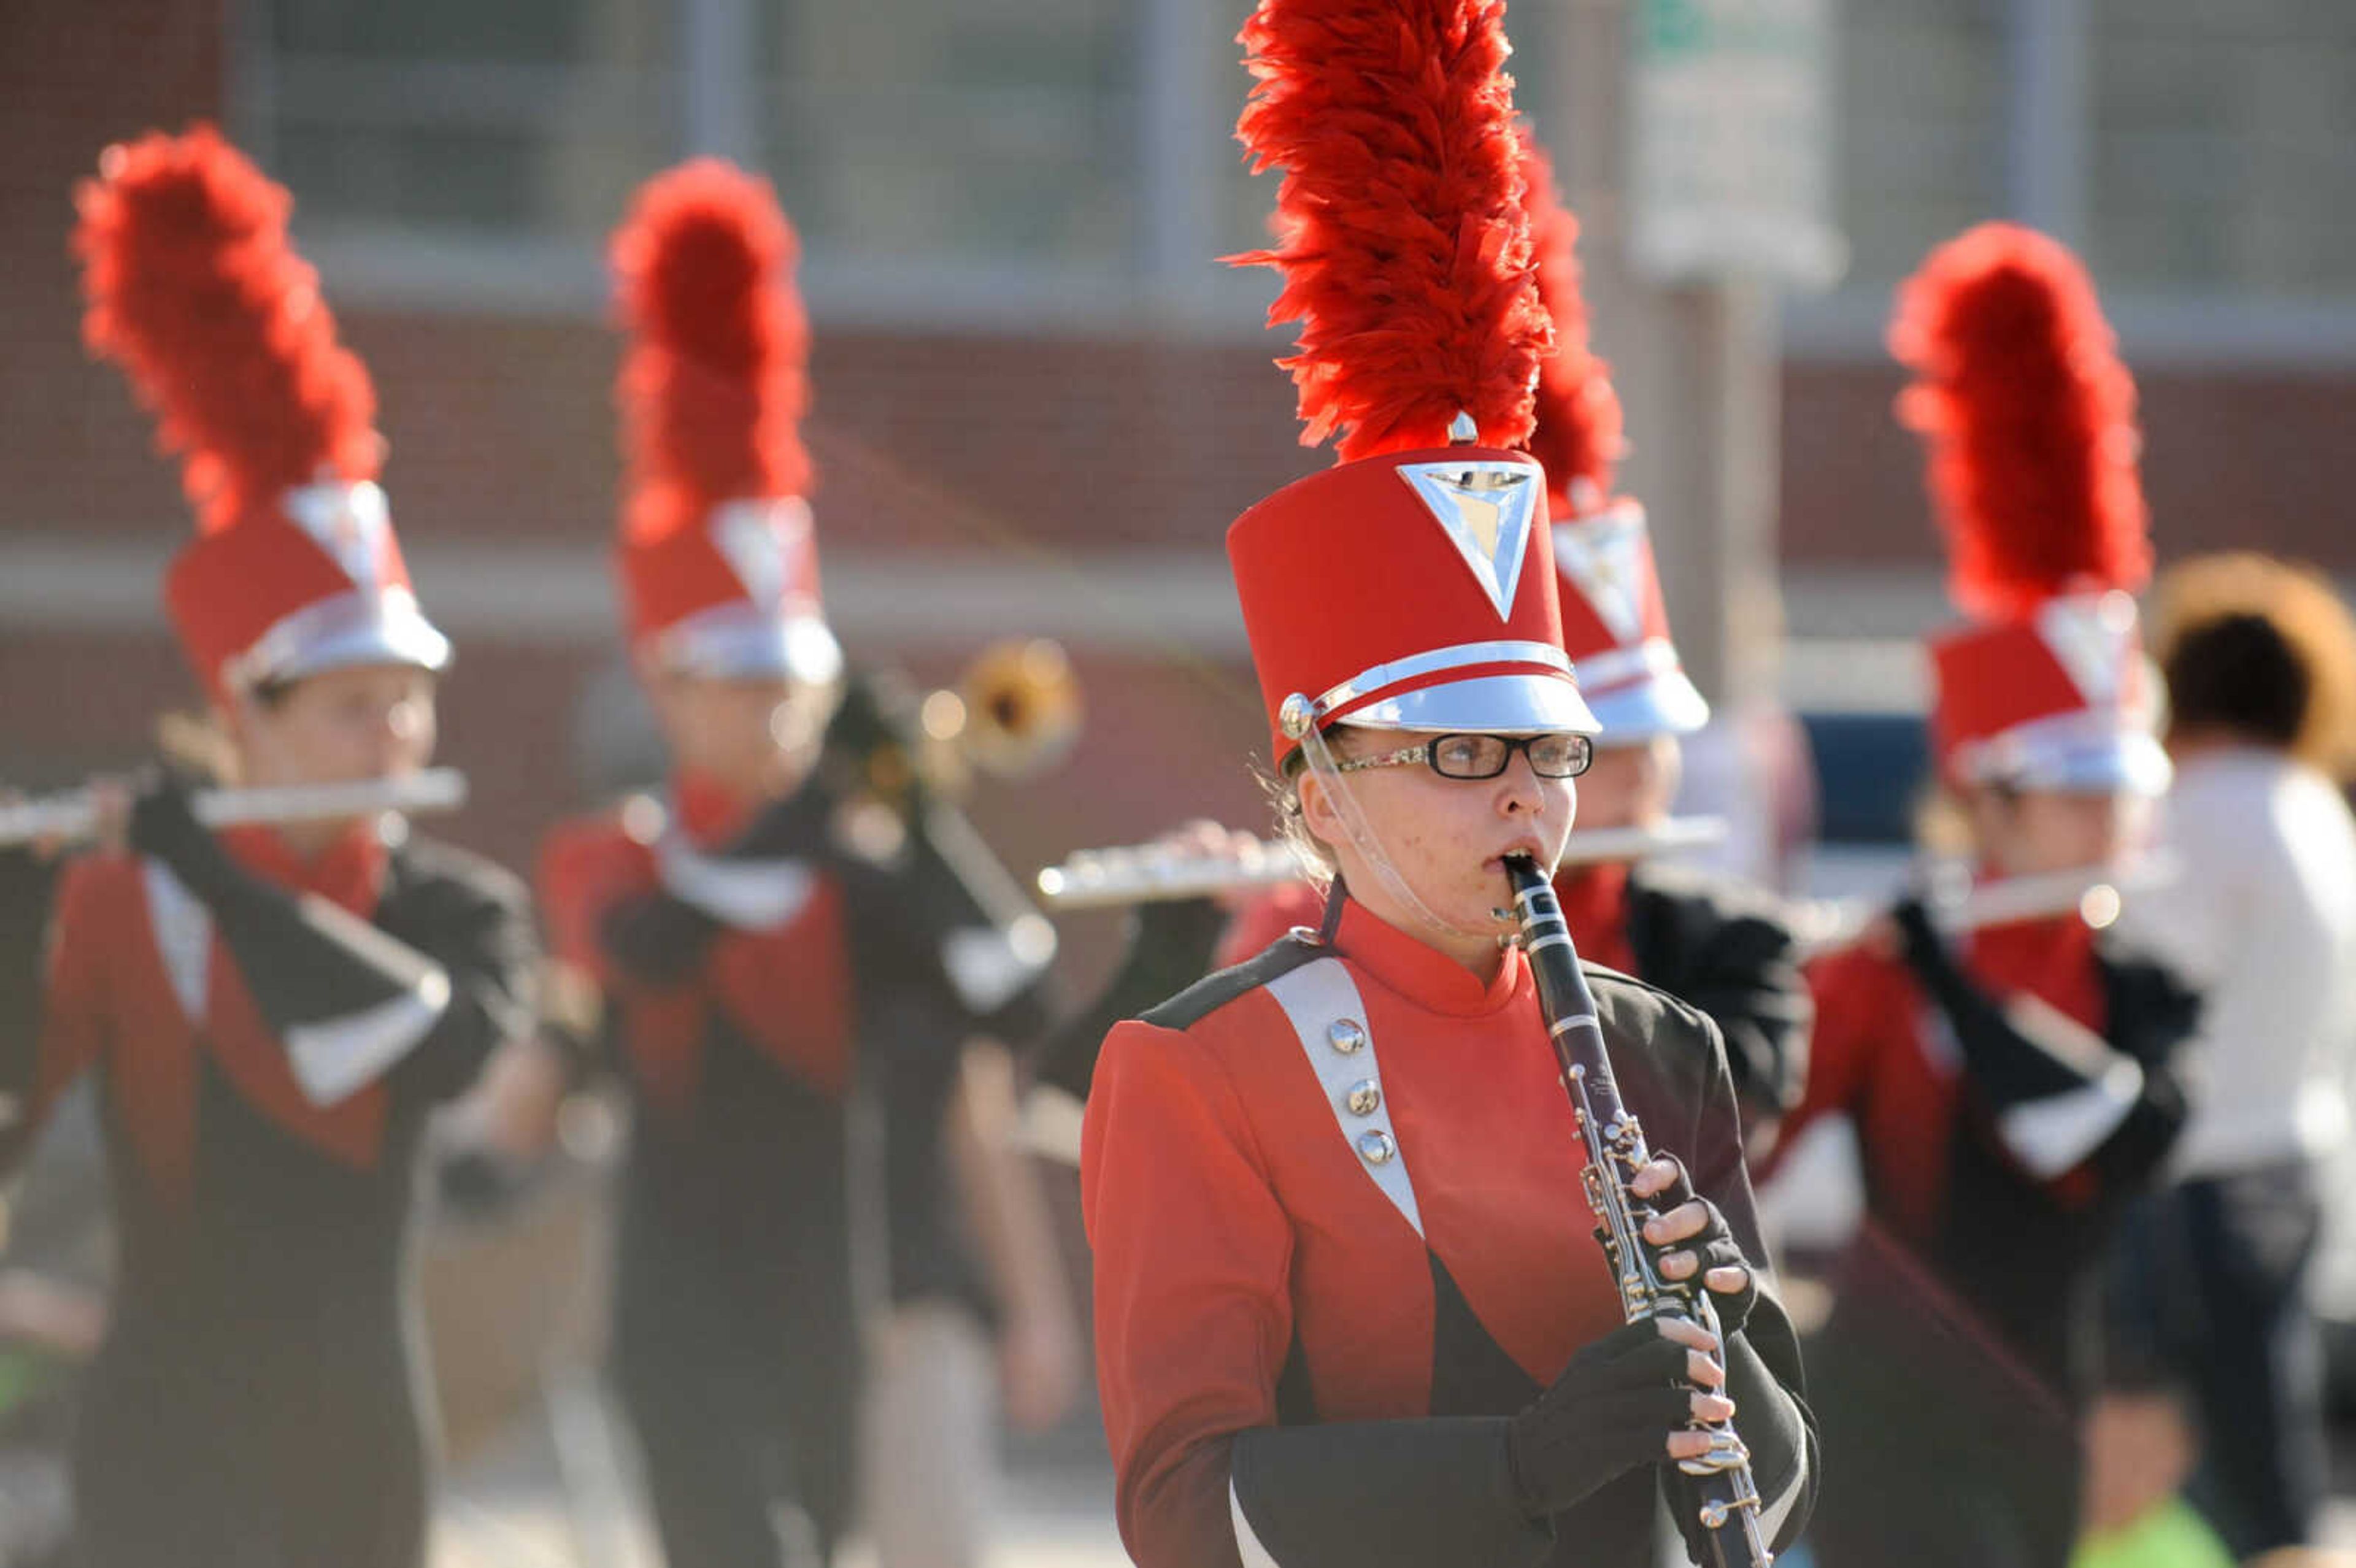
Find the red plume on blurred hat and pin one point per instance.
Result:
(193, 289)
(1615, 623)
(1411, 587)
(718, 556)
(2030, 421)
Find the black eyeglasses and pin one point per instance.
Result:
(1551, 756)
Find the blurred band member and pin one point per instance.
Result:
(270, 1012)
(760, 983)
(2009, 1085)
(2260, 660)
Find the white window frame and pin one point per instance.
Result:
(2049, 160)
(1176, 285)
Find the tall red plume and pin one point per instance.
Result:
(194, 290)
(1400, 232)
(713, 385)
(2029, 418)
(1578, 435)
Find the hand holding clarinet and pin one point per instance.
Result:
(1677, 1266)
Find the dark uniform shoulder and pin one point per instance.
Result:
(1215, 990)
(1706, 894)
(1640, 1008)
(420, 864)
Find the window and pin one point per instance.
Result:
(2224, 148)
(1921, 116)
(966, 128)
(460, 117)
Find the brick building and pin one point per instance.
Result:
(1038, 399)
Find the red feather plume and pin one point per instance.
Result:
(1578, 436)
(713, 385)
(195, 291)
(1399, 227)
(2030, 419)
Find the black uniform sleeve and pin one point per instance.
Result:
(1170, 947)
(435, 986)
(28, 886)
(474, 921)
(1378, 1493)
(2054, 1108)
(1729, 954)
(912, 925)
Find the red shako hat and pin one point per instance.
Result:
(2030, 421)
(194, 290)
(1412, 586)
(718, 555)
(1615, 623)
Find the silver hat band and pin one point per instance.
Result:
(1296, 719)
(362, 625)
(1615, 667)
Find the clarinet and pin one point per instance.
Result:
(1616, 1151)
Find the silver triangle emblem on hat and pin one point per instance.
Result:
(756, 537)
(350, 522)
(1604, 559)
(2092, 638)
(1487, 510)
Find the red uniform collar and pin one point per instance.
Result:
(1422, 974)
(707, 811)
(1594, 900)
(349, 872)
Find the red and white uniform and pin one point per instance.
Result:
(1269, 1252)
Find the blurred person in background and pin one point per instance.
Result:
(778, 972)
(2260, 661)
(269, 1012)
(55, 1250)
(2009, 1085)
(1349, 1308)
(1701, 938)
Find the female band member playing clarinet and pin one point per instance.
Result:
(270, 1012)
(1349, 1306)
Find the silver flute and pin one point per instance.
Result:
(1614, 1145)
(74, 814)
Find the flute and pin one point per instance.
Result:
(2095, 894)
(73, 814)
(1100, 879)
(1615, 1149)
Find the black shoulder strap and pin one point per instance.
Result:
(1209, 994)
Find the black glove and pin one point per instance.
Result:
(164, 827)
(656, 936)
(1612, 1410)
(1713, 1245)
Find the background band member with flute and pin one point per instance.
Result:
(758, 970)
(2010, 1084)
(1348, 1306)
(271, 1012)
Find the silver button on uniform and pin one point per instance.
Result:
(1364, 1097)
(1377, 1148)
(1346, 1036)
